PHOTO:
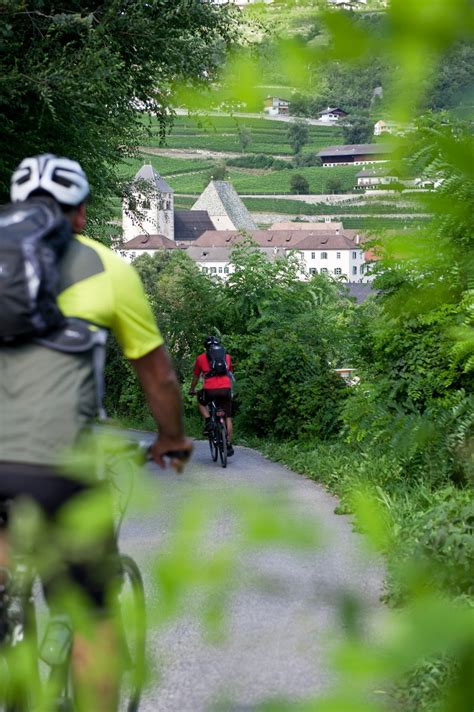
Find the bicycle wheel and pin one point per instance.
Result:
(222, 443)
(213, 444)
(132, 610)
(16, 693)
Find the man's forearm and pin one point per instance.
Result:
(158, 380)
(194, 383)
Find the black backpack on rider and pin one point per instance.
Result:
(216, 355)
(33, 236)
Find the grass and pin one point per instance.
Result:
(221, 133)
(165, 165)
(273, 182)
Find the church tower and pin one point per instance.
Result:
(149, 209)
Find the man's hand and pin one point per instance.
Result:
(162, 446)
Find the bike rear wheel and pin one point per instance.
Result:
(222, 443)
(213, 445)
(16, 696)
(133, 613)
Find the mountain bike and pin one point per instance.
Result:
(217, 433)
(48, 663)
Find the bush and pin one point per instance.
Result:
(258, 160)
(302, 160)
(299, 184)
(334, 185)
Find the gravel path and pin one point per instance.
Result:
(282, 622)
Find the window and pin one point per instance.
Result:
(338, 255)
(324, 255)
(354, 255)
(204, 269)
(168, 205)
(313, 270)
(146, 204)
(313, 255)
(362, 269)
(323, 270)
(354, 270)
(226, 270)
(220, 270)
(338, 270)
(213, 270)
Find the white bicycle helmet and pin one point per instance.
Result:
(60, 177)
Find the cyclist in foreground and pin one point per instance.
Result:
(215, 366)
(48, 397)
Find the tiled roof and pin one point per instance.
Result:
(190, 224)
(288, 239)
(221, 199)
(222, 254)
(150, 175)
(356, 149)
(209, 254)
(331, 110)
(149, 242)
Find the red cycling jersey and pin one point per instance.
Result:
(202, 366)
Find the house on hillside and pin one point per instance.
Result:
(375, 178)
(224, 207)
(274, 106)
(355, 154)
(240, 3)
(332, 115)
(347, 4)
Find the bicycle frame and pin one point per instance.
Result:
(218, 433)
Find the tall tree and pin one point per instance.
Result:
(298, 135)
(73, 76)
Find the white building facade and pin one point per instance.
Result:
(149, 209)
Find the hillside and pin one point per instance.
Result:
(199, 145)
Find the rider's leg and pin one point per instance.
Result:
(97, 668)
(204, 410)
(230, 429)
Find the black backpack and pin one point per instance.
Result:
(216, 355)
(33, 236)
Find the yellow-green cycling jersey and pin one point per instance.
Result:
(47, 397)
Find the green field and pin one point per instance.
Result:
(273, 182)
(165, 165)
(221, 133)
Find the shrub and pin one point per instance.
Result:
(258, 160)
(299, 184)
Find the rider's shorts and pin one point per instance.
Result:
(91, 567)
(222, 397)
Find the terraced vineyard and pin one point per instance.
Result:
(188, 173)
(221, 133)
(271, 182)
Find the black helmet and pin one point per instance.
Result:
(209, 340)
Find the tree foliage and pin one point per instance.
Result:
(72, 78)
(299, 184)
(298, 135)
